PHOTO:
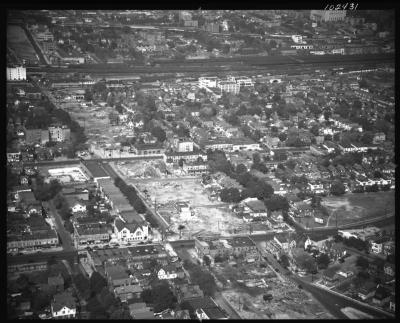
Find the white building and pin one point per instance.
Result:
(183, 145)
(298, 39)
(130, 232)
(327, 15)
(16, 73)
(58, 133)
(167, 273)
(244, 81)
(78, 208)
(208, 81)
(184, 210)
(63, 306)
(229, 86)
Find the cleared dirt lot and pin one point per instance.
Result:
(209, 216)
(288, 302)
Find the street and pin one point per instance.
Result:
(222, 302)
(333, 303)
(65, 236)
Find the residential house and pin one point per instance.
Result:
(167, 272)
(330, 276)
(140, 311)
(171, 314)
(367, 290)
(148, 149)
(389, 269)
(284, 242)
(63, 306)
(381, 296)
(128, 292)
(188, 291)
(91, 233)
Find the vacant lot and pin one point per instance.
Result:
(19, 43)
(352, 208)
(357, 207)
(209, 216)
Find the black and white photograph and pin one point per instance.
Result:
(200, 164)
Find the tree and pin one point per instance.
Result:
(276, 202)
(97, 282)
(206, 260)
(337, 188)
(282, 136)
(323, 260)
(291, 163)
(181, 162)
(284, 261)
(88, 95)
(160, 296)
(230, 195)
(362, 262)
(159, 133)
(180, 228)
(69, 226)
(240, 169)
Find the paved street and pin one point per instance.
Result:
(65, 236)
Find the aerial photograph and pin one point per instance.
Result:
(200, 164)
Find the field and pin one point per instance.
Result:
(209, 216)
(352, 208)
(19, 43)
(357, 207)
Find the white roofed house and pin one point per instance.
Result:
(167, 272)
(284, 242)
(130, 232)
(63, 306)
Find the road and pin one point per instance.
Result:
(164, 225)
(65, 236)
(222, 302)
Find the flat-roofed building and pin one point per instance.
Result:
(16, 73)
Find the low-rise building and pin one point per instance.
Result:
(148, 149)
(63, 306)
(130, 232)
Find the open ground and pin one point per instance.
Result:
(18, 41)
(209, 216)
(353, 208)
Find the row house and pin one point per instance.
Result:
(195, 168)
(190, 156)
(91, 234)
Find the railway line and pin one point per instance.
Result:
(242, 64)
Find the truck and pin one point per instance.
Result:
(319, 220)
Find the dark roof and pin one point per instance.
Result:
(120, 225)
(61, 300)
(55, 280)
(241, 242)
(96, 169)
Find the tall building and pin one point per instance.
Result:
(16, 73)
(59, 133)
(327, 15)
(229, 86)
